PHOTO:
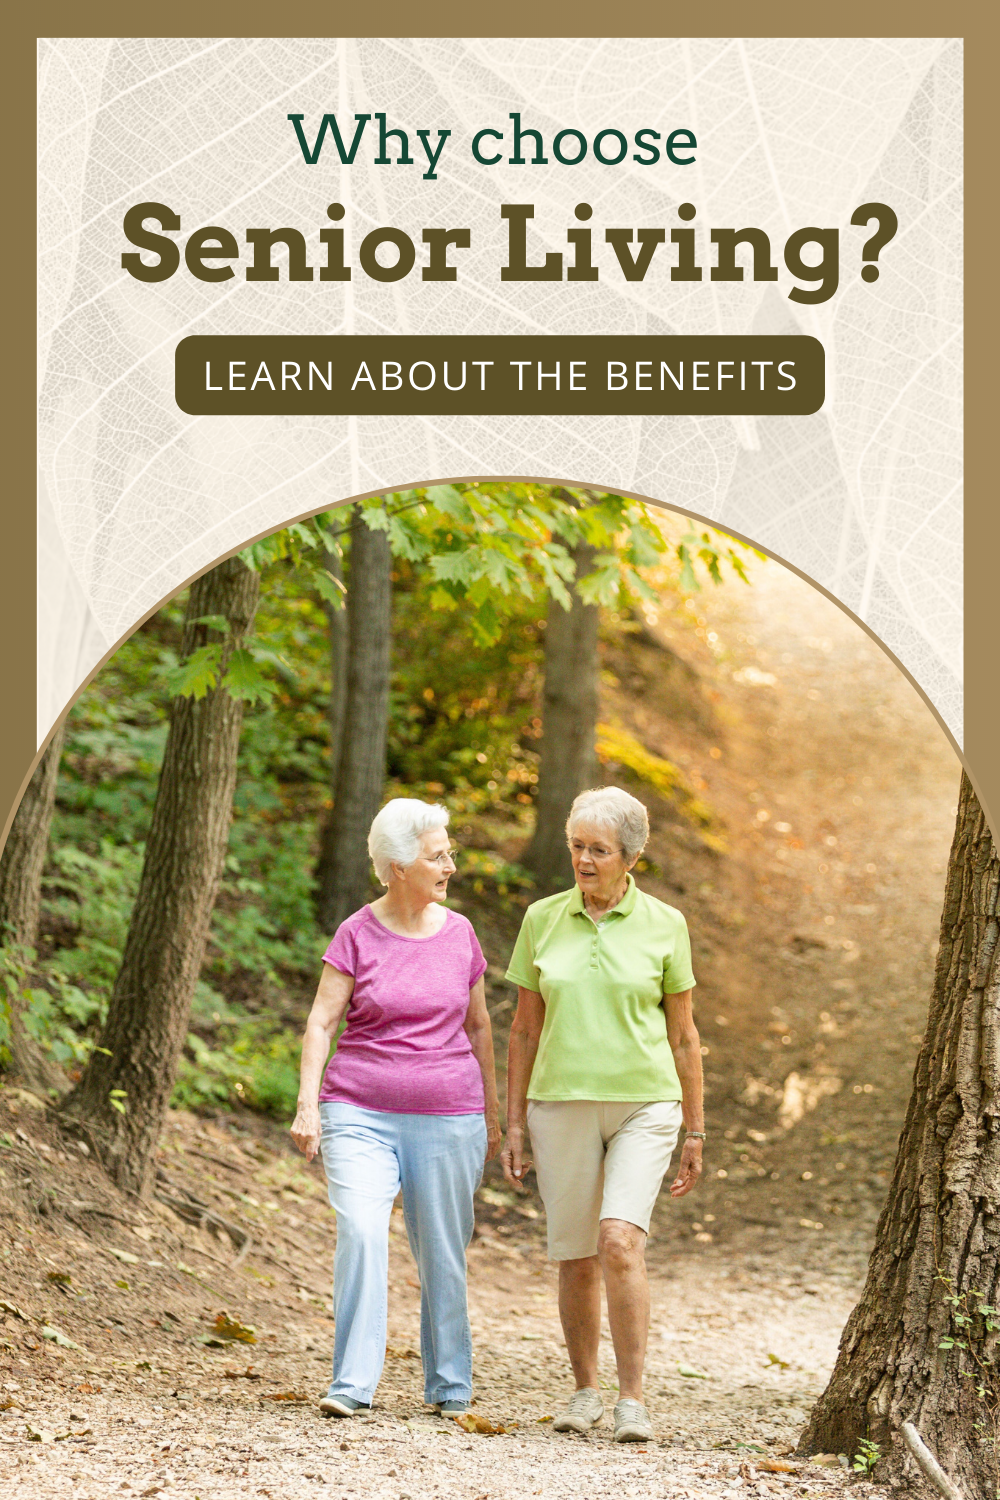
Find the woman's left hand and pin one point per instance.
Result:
(689, 1170)
(494, 1135)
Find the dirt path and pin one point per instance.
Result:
(136, 1403)
(814, 939)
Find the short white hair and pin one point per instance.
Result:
(611, 808)
(394, 837)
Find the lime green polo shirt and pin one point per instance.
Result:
(605, 1030)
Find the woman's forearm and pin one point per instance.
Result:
(481, 1042)
(687, 1058)
(315, 1050)
(520, 1061)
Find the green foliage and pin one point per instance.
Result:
(244, 679)
(710, 548)
(975, 1322)
(93, 894)
(867, 1456)
(197, 675)
(254, 1063)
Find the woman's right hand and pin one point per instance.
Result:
(305, 1130)
(516, 1165)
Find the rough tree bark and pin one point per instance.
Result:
(148, 1015)
(937, 1248)
(21, 866)
(337, 623)
(361, 773)
(568, 763)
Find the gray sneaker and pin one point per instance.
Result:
(632, 1424)
(584, 1409)
(342, 1406)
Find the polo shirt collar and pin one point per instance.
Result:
(624, 907)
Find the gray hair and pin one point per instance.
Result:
(394, 837)
(612, 808)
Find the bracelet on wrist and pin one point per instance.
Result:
(695, 1135)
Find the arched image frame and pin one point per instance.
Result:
(500, 479)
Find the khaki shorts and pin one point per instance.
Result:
(598, 1160)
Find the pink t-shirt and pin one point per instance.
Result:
(403, 1050)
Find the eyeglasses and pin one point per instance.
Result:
(445, 857)
(596, 851)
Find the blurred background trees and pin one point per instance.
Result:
(219, 776)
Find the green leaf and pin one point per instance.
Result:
(448, 500)
(214, 622)
(243, 678)
(197, 675)
(375, 517)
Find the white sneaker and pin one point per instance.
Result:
(632, 1424)
(584, 1409)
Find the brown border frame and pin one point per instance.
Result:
(981, 755)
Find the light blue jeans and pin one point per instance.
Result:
(438, 1161)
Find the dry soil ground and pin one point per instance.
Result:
(814, 935)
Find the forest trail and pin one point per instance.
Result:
(814, 937)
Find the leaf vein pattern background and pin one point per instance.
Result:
(135, 496)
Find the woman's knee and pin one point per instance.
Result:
(359, 1235)
(620, 1246)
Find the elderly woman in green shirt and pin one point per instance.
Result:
(604, 1068)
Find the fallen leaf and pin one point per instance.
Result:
(89, 1390)
(7, 1403)
(532, 1338)
(825, 1460)
(143, 1364)
(40, 1435)
(230, 1331)
(15, 1312)
(470, 1422)
(783, 1449)
(690, 1374)
(123, 1285)
(745, 1471)
(57, 1337)
(775, 1466)
(773, 1359)
(59, 1278)
(283, 1396)
(393, 1352)
(125, 1255)
(544, 1419)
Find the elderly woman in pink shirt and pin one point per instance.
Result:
(408, 1100)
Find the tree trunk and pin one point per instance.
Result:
(21, 866)
(148, 1015)
(908, 1353)
(337, 622)
(569, 718)
(361, 773)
